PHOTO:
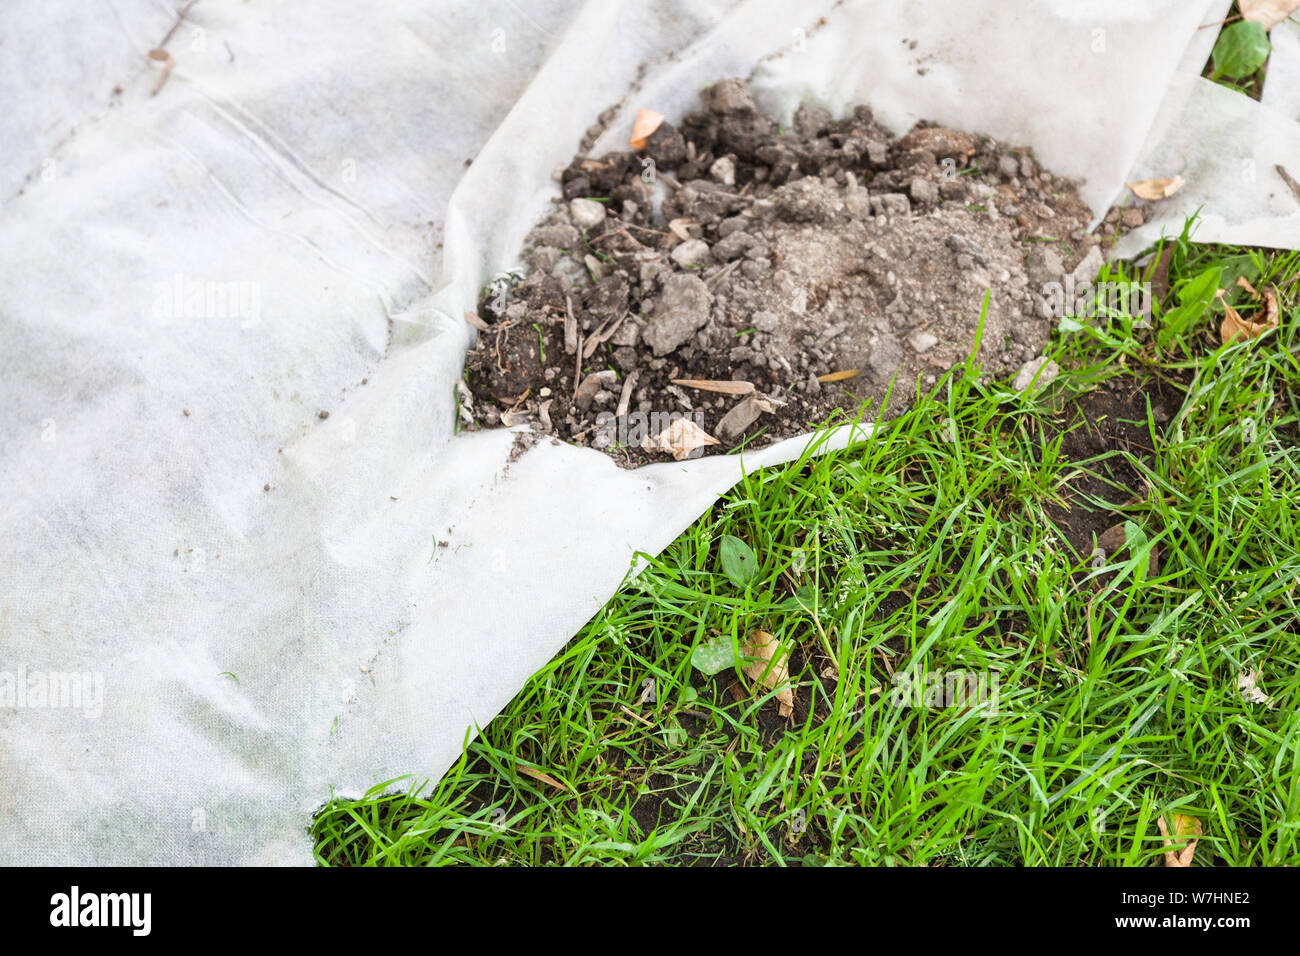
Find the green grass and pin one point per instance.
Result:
(930, 551)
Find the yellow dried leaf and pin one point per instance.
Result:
(770, 666)
(680, 439)
(839, 376)
(1186, 829)
(1234, 326)
(538, 775)
(646, 122)
(1157, 188)
(709, 385)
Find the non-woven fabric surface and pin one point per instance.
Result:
(247, 560)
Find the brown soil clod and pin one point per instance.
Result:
(819, 266)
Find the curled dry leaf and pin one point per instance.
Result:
(1268, 13)
(1270, 308)
(646, 122)
(1154, 189)
(745, 413)
(709, 385)
(1185, 828)
(515, 416)
(1234, 326)
(680, 439)
(770, 666)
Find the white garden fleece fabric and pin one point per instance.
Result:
(230, 329)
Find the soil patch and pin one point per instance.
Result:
(1099, 427)
(738, 282)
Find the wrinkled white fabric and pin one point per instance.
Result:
(260, 593)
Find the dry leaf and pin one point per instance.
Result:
(646, 122)
(709, 385)
(545, 778)
(1235, 327)
(1160, 275)
(593, 383)
(1113, 539)
(1270, 308)
(1157, 188)
(680, 439)
(1267, 13)
(1184, 827)
(771, 667)
(514, 416)
(1242, 283)
(680, 228)
(1250, 693)
(839, 376)
(475, 320)
(745, 413)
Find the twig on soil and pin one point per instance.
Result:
(725, 271)
(605, 332)
(625, 397)
(654, 232)
(577, 363)
(570, 328)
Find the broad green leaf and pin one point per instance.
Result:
(1240, 50)
(738, 561)
(1194, 299)
(714, 656)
